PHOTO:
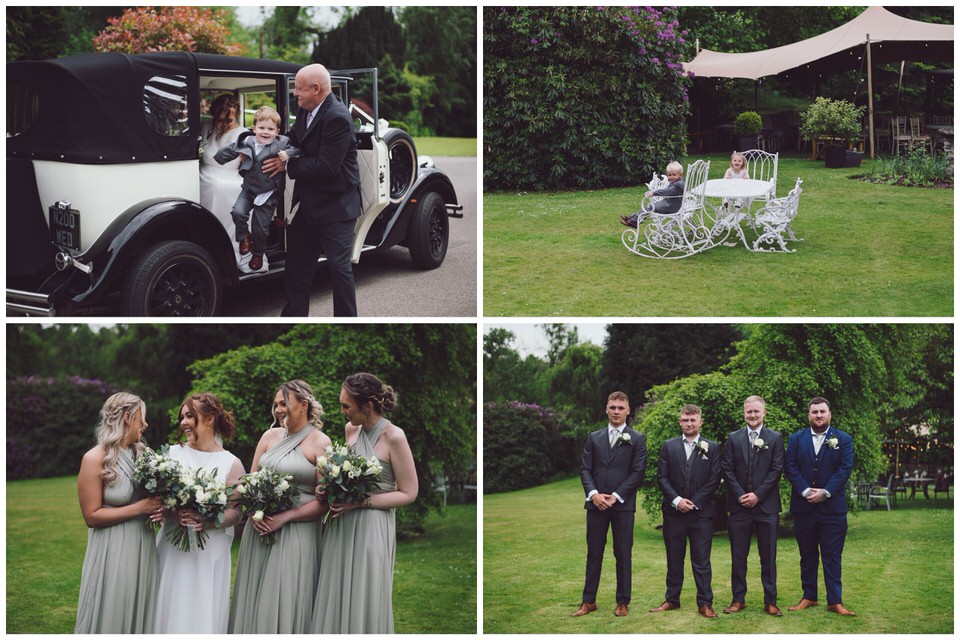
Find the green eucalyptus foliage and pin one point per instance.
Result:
(581, 97)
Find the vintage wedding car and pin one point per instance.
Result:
(103, 203)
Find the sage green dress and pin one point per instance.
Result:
(118, 587)
(355, 590)
(274, 585)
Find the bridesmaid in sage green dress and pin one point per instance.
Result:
(274, 585)
(118, 587)
(355, 589)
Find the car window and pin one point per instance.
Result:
(23, 105)
(165, 105)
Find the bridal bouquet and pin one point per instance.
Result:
(199, 489)
(265, 493)
(159, 475)
(346, 476)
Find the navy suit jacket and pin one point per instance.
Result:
(327, 174)
(829, 470)
(699, 486)
(767, 470)
(619, 470)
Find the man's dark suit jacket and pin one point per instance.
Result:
(619, 470)
(768, 467)
(327, 174)
(699, 486)
(829, 470)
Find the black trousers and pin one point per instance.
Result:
(305, 243)
(678, 528)
(598, 523)
(741, 526)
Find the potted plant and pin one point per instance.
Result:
(837, 122)
(746, 128)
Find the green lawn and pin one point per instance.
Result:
(446, 146)
(434, 587)
(869, 250)
(897, 573)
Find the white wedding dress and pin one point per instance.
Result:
(194, 591)
(220, 186)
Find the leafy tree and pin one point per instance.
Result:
(147, 29)
(575, 383)
(787, 365)
(640, 356)
(35, 33)
(581, 97)
(362, 39)
(433, 368)
(441, 44)
(507, 376)
(285, 35)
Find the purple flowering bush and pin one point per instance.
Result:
(581, 97)
(51, 423)
(525, 445)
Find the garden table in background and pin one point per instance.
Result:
(924, 482)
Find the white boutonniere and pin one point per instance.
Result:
(760, 444)
(702, 447)
(833, 443)
(624, 438)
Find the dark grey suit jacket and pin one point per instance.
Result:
(619, 470)
(767, 469)
(699, 485)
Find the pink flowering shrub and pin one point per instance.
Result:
(581, 97)
(150, 29)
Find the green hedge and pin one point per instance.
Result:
(581, 97)
(51, 423)
(432, 367)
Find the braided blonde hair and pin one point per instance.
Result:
(113, 427)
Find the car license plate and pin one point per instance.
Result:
(65, 228)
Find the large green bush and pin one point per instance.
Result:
(432, 367)
(525, 445)
(581, 97)
(51, 422)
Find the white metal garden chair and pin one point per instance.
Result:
(763, 165)
(680, 234)
(772, 222)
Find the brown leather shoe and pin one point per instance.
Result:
(773, 610)
(621, 610)
(803, 604)
(839, 608)
(256, 263)
(735, 607)
(585, 608)
(707, 611)
(666, 606)
(246, 245)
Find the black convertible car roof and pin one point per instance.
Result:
(93, 109)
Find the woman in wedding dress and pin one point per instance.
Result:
(194, 591)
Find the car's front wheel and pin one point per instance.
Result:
(403, 163)
(429, 232)
(175, 278)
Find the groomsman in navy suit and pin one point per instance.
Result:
(688, 476)
(752, 466)
(614, 460)
(819, 462)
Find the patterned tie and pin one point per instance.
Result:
(309, 119)
(817, 442)
(614, 434)
(753, 440)
(689, 444)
